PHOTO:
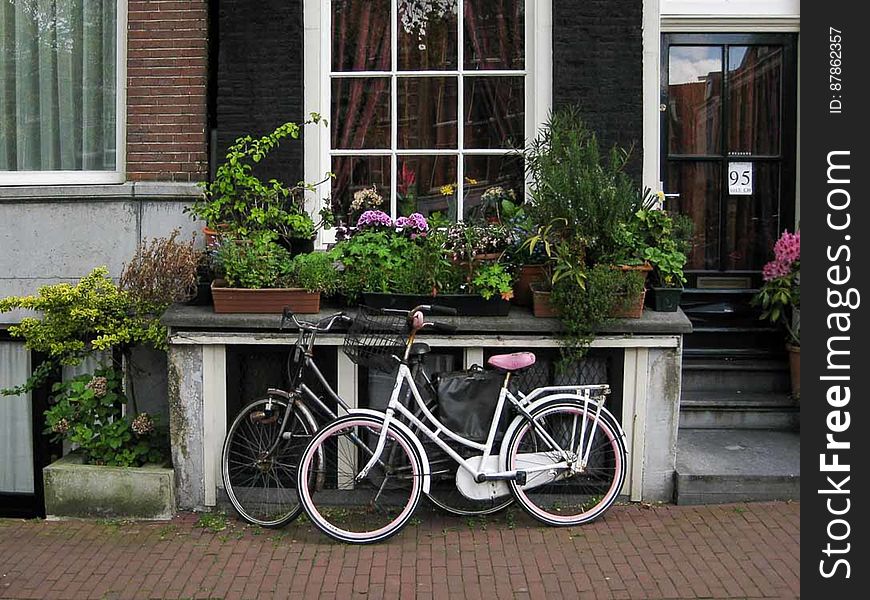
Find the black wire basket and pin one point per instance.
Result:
(375, 338)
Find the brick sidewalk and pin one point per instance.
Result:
(729, 551)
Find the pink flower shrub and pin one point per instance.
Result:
(787, 255)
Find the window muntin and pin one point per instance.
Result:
(446, 124)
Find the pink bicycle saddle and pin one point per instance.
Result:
(512, 362)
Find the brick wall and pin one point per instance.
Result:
(598, 65)
(166, 90)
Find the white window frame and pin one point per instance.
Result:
(79, 177)
(538, 73)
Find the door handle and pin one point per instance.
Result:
(673, 195)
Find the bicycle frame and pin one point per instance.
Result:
(579, 393)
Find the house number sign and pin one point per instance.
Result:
(740, 178)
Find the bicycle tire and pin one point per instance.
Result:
(566, 497)
(359, 511)
(262, 488)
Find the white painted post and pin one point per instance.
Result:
(347, 388)
(473, 356)
(634, 397)
(214, 417)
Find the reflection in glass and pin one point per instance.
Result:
(353, 173)
(427, 112)
(494, 34)
(694, 99)
(754, 96)
(360, 112)
(700, 187)
(483, 173)
(360, 35)
(494, 112)
(427, 42)
(752, 222)
(426, 184)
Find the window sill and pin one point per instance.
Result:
(142, 190)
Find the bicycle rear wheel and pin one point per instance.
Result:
(261, 485)
(350, 509)
(567, 496)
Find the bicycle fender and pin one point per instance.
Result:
(539, 404)
(418, 445)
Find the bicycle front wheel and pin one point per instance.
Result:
(347, 507)
(570, 494)
(261, 484)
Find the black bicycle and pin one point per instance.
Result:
(265, 441)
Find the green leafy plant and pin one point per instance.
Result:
(86, 411)
(491, 279)
(572, 182)
(584, 310)
(315, 272)
(255, 262)
(77, 319)
(239, 201)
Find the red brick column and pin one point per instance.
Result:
(166, 90)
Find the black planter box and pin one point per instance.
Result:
(468, 305)
(666, 299)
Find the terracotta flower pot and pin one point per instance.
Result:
(633, 309)
(541, 306)
(529, 274)
(269, 301)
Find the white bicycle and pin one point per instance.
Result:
(362, 475)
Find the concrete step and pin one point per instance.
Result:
(736, 410)
(736, 465)
(737, 375)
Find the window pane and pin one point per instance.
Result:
(427, 42)
(360, 112)
(694, 99)
(483, 173)
(427, 112)
(699, 185)
(361, 35)
(57, 86)
(494, 112)
(752, 222)
(494, 34)
(353, 173)
(754, 97)
(426, 184)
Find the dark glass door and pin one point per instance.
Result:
(729, 153)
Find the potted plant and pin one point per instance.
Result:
(402, 263)
(77, 321)
(261, 276)
(780, 299)
(237, 201)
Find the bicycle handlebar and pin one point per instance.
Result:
(288, 315)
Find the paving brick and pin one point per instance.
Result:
(733, 551)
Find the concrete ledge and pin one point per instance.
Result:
(520, 320)
(74, 489)
(154, 190)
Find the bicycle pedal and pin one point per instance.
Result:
(521, 478)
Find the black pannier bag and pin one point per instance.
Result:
(467, 402)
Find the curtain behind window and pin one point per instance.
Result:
(58, 85)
